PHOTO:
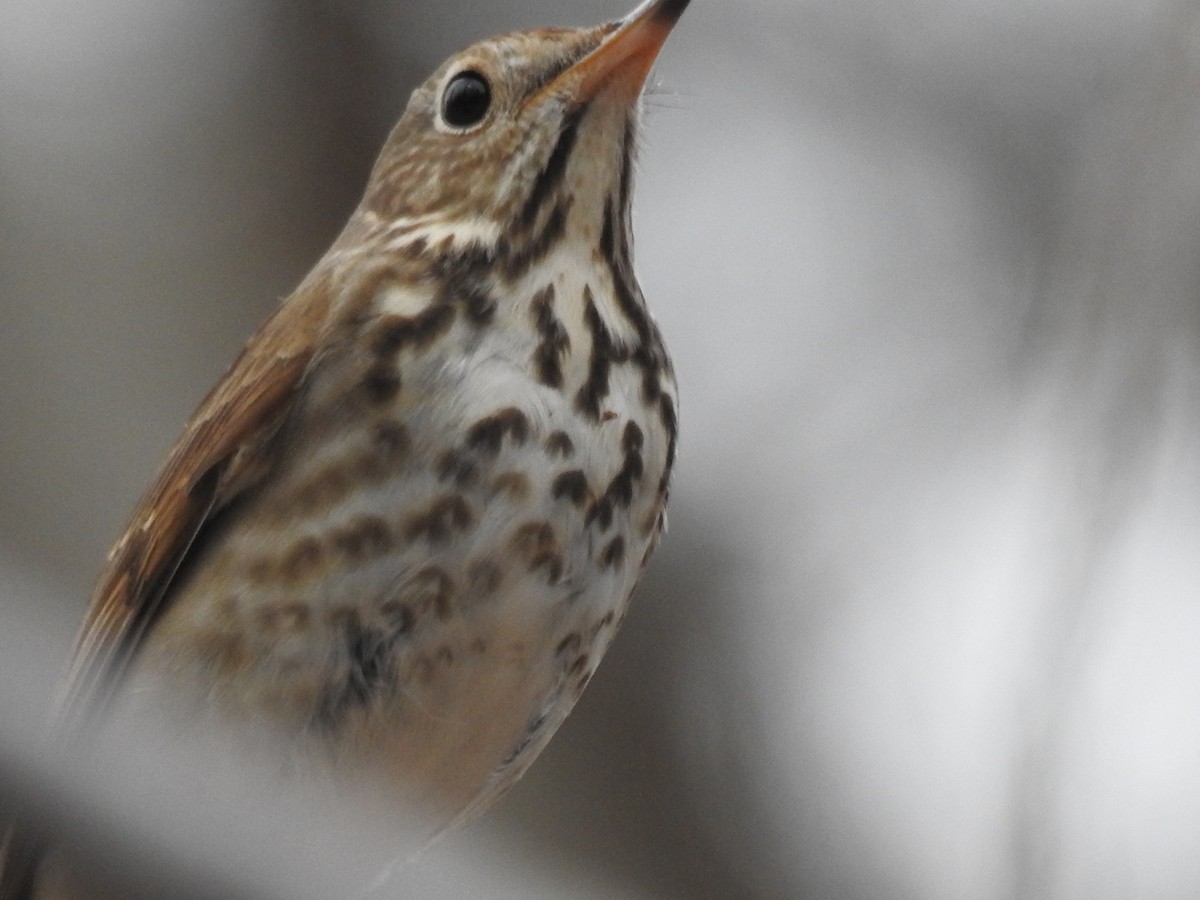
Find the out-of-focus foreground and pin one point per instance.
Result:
(927, 620)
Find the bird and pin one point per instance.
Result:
(398, 535)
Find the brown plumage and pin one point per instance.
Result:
(400, 531)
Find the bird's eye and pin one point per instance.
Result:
(466, 100)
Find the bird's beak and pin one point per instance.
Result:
(626, 52)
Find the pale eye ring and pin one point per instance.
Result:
(466, 100)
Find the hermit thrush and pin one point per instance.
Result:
(402, 530)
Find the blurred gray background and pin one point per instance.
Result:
(927, 620)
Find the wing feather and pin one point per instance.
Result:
(225, 449)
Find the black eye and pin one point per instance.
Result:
(466, 100)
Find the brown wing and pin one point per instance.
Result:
(224, 449)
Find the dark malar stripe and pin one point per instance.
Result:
(551, 177)
(614, 241)
(459, 263)
(614, 247)
(461, 276)
(608, 235)
(478, 302)
(519, 258)
(393, 332)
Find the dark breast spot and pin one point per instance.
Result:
(531, 731)
(613, 554)
(542, 303)
(318, 491)
(537, 545)
(392, 441)
(446, 516)
(319, 488)
(381, 383)
(457, 467)
(559, 443)
(619, 492)
(393, 333)
(553, 341)
(652, 365)
(488, 433)
(571, 485)
(568, 645)
(595, 387)
(431, 591)
(302, 561)
(363, 538)
(620, 489)
(632, 439)
(532, 537)
(600, 512)
(550, 563)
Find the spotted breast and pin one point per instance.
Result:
(415, 573)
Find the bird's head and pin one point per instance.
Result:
(511, 135)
